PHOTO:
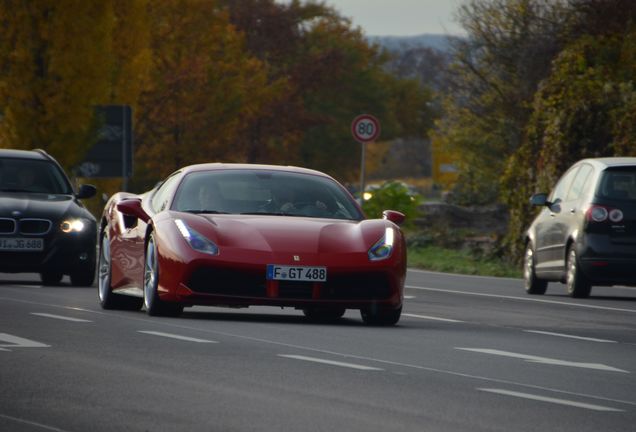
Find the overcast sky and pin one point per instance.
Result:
(401, 17)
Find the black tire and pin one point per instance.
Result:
(324, 313)
(532, 283)
(380, 317)
(154, 305)
(107, 298)
(578, 286)
(51, 277)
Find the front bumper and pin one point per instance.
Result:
(62, 252)
(349, 288)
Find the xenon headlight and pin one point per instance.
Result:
(382, 248)
(196, 240)
(73, 225)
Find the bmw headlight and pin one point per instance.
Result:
(196, 240)
(72, 225)
(382, 248)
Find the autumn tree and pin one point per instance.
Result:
(535, 86)
(495, 73)
(131, 52)
(329, 73)
(208, 80)
(585, 108)
(55, 67)
(203, 84)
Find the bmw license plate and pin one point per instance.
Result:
(296, 273)
(21, 244)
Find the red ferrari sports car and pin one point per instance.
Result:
(237, 235)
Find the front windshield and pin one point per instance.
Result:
(32, 176)
(264, 192)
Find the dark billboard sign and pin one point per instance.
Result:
(111, 156)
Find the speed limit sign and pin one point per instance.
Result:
(365, 128)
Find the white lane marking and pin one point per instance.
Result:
(336, 353)
(31, 423)
(549, 399)
(407, 297)
(498, 278)
(589, 306)
(18, 342)
(174, 336)
(431, 318)
(544, 360)
(570, 336)
(330, 362)
(60, 317)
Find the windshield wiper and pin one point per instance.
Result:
(197, 211)
(16, 190)
(262, 213)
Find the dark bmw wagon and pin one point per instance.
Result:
(585, 234)
(44, 228)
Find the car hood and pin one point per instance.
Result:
(294, 234)
(36, 205)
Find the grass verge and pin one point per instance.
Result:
(458, 261)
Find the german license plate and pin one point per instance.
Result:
(21, 244)
(296, 273)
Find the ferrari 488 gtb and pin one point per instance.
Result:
(241, 235)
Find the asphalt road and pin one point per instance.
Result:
(470, 354)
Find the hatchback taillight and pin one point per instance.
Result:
(597, 213)
(615, 215)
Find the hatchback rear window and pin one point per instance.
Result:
(618, 183)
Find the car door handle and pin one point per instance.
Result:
(572, 210)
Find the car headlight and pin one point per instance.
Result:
(382, 248)
(196, 240)
(73, 225)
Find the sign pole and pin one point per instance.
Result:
(362, 170)
(365, 129)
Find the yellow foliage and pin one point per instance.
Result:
(61, 58)
(202, 87)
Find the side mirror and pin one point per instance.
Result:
(132, 207)
(394, 216)
(86, 191)
(539, 199)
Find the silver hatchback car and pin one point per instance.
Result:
(585, 234)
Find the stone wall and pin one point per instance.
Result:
(480, 219)
(477, 228)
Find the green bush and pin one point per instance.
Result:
(393, 195)
(461, 261)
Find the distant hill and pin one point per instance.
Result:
(404, 43)
(423, 57)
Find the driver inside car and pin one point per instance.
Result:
(283, 200)
(209, 197)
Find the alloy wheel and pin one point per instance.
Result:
(150, 274)
(104, 269)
